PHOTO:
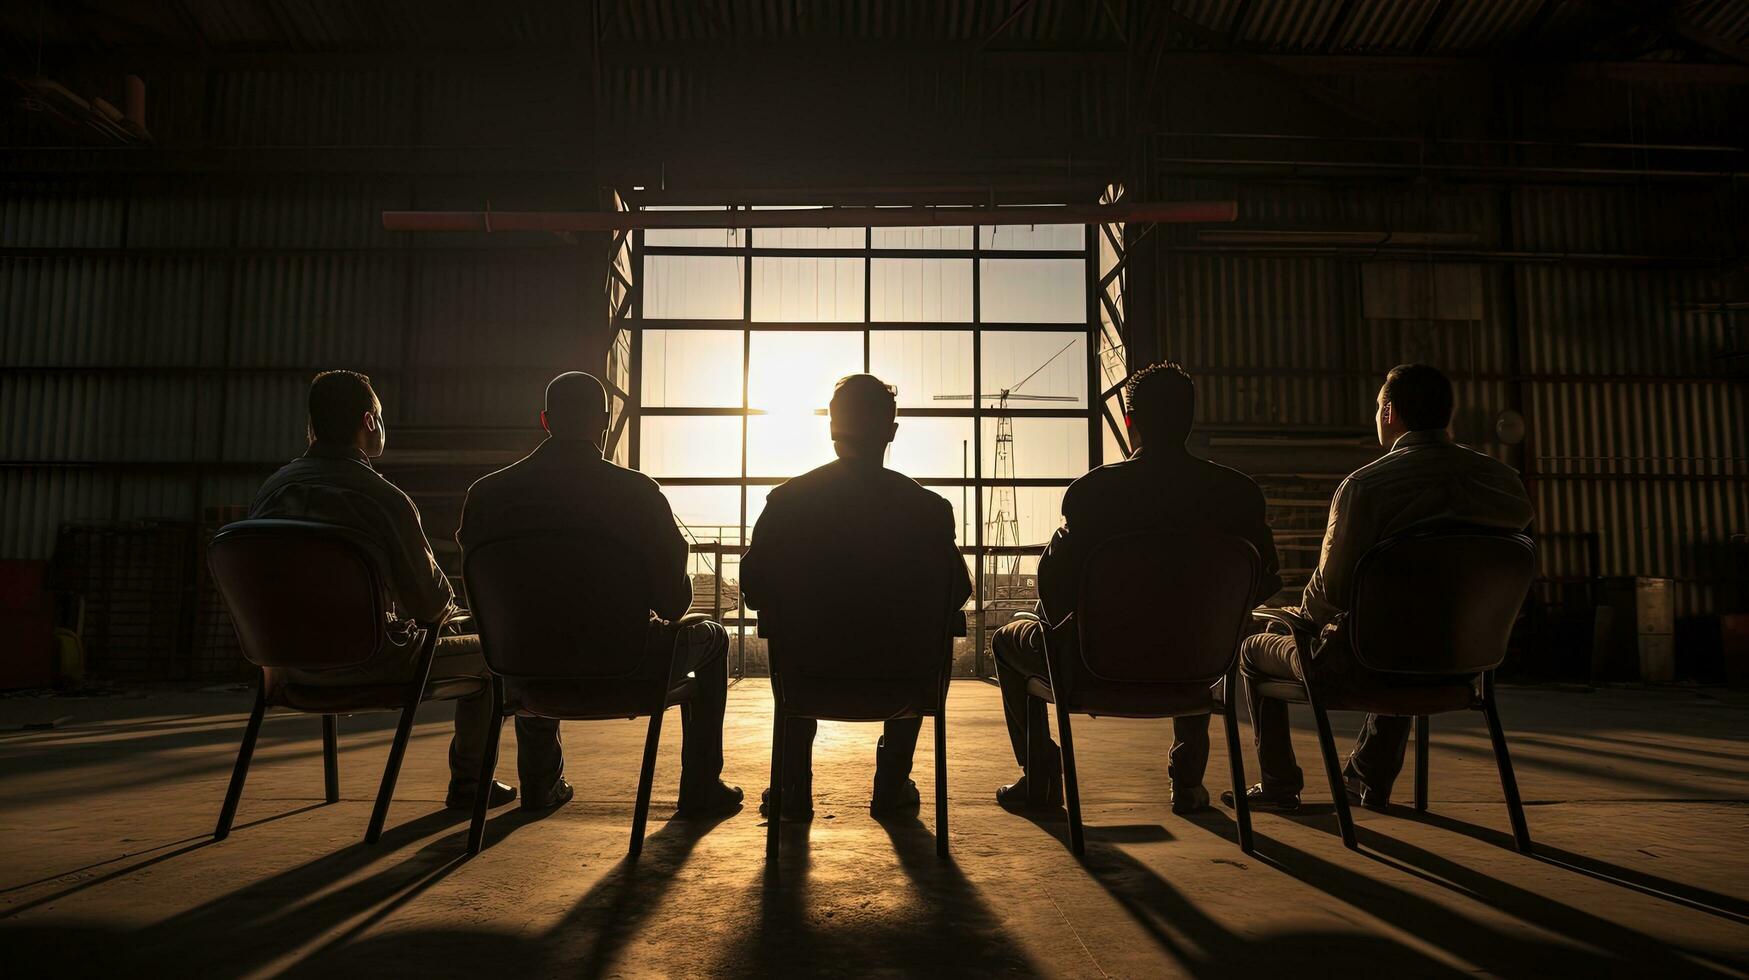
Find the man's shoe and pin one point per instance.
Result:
(712, 800)
(1189, 799)
(462, 797)
(1359, 794)
(797, 805)
(1018, 795)
(560, 796)
(1259, 799)
(893, 800)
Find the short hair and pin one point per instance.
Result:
(338, 403)
(1420, 394)
(573, 399)
(863, 408)
(1162, 398)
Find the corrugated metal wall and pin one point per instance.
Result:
(162, 309)
(1635, 397)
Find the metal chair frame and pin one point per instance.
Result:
(1484, 702)
(657, 701)
(1225, 706)
(413, 698)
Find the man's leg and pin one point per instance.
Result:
(1189, 757)
(893, 755)
(704, 654)
(1378, 755)
(540, 758)
(459, 656)
(1272, 655)
(1020, 656)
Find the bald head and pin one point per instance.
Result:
(576, 407)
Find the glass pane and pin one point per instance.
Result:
(932, 448)
(847, 237)
(807, 289)
(1025, 516)
(1039, 449)
(924, 364)
(706, 513)
(1039, 370)
(1034, 290)
(1113, 448)
(692, 287)
(692, 368)
(787, 443)
(695, 237)
(793, 371)
(921, 290)
(1049, 237)
(689, 446)
(945, 236)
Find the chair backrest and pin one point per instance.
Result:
(559, 605)
(857, 625)
(302, 594)
(1165, 606)
(1439, 601)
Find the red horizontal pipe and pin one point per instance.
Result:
(1158, 212)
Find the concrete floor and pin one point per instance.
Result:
(1637, 800)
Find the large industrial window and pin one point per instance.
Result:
(988, 332)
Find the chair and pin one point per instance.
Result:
(1156, 625)
(890, 657)
(564, 627)
(308, 599)
(1426, 628)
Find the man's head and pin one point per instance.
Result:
(1162, 404)
(863, 411)
(1414, 397)
(576, 408)
(344, 411)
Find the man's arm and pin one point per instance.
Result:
(1347, 535)
(1269, 578)
(955, 563)
(421, 588)
(1057, 568)
(670, 585)
(763, 550)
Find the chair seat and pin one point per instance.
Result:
(339, 699)
(866, 699)
(1136, 700)
(589, 699)
(1375, 694)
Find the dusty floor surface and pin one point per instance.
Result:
(1639, 801)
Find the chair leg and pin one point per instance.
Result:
(1071, 785)
(1333, 771)
(774, 802)
(646, 779)
(1236, 761)
(403, 730)
(1508, 782)
(941, 779)
(488, 769)
(245, 752)
(331, 757)
(1423, 731)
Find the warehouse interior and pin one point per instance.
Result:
(1004, 207)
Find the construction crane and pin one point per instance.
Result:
(1001, 514)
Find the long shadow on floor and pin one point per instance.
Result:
(1689, 896)
(1581, 944)
(1205, 947)
(933, 923)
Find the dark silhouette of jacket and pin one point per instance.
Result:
(566, 485)
(854, 523)
(1155, 489)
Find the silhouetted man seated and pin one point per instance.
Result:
(333, 482)
(852, 519)
(1161, 486)
(1425, 478)
(567, 485)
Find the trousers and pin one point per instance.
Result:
(1020, 656)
